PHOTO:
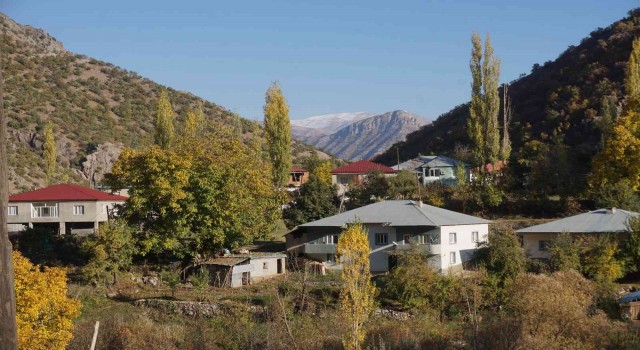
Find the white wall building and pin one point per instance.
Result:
(393, 226)
(63, 208)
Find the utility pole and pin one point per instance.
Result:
(8, 328)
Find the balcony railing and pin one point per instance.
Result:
(46, 211)
(310, 248)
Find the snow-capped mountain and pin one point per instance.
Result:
(357, 135)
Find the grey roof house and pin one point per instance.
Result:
(392, 226)
(434, 168)
(536, 239)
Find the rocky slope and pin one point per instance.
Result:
(96, 108)
(359, 137)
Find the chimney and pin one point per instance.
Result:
(611, 210)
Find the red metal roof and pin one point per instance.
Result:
(295, 169)
(65, 193)
(362, 167)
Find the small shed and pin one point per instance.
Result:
(630, 306)
(237, 270)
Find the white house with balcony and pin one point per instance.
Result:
(63, 208)
(434, 168)
(394, 227)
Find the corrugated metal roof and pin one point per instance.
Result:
(362, 167)
(597, 221)
(627, 298)
(65, 192)
(428, 161)
(226, 261)
(398, 213)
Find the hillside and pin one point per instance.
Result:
(96, 107)
(359, 135)
(558, 103)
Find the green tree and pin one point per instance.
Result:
(374, 187)
(357, 293)
(316, 201)
(200, 279)
(599, 261)
(198, 197)
(632, 78)
(403, 185)
(630, 248)
(172, 279)
(50, 153)
(617, 195)
(410, 282)
(504, 259)
(112, 250)
(564, 253)
(278, 133)
(164, 129)
(482, 125)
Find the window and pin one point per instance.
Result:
(407, 239)
(265, 266)
(381, 238)
(78, 210)
(44, 210)
(452, 238)
(452, 257)
(331, 239)
(436, 172)
(13, 210)
(543, 246)
(474, 236)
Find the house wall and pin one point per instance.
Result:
(259, 271)
(464, 246)
(530, 244)
(94, 212)
(303, 179)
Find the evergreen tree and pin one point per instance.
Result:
(278, 133)
(483, 127)
(50, 153)
(164, 132)
(357, 294)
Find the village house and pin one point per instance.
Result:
(434, 168)
(393, 227)
(237, 270)
(355, 172)
(63, 208)
(537, 239)
(297, 177)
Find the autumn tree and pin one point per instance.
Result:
(482, 125)
(632, 78)
(197, 197)
(45, 314)
(50, 153)
(112, 250)
(357, 293)
(194, 123)
(507, 115)
(619, 160)
(403, 185)
(323, 171)
(278, 133)
(164, 128)
(630, 247)
(599, 261)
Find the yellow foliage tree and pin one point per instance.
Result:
(632, 79)
(357, 294)
(620, 158)
(323, 171)
(164, 133)
(44, 312)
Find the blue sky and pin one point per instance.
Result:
(329, 56)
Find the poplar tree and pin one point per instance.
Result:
(50, 153)
(357, 294)
(483, 127)
(164, 132)
(632, 79)
(194, 123)
(278, 133)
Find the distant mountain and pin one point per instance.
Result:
(330, 123)
(355, 136)
(96, 109)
